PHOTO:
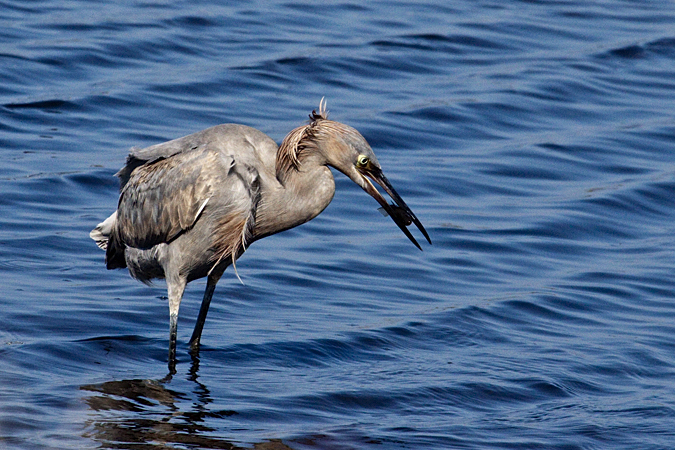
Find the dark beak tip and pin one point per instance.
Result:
(399, 211)
(419, 246)
(426, 235)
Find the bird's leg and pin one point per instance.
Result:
(175, 287)
(204, 309)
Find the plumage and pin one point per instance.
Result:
(188, 208)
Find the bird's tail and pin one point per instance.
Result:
(106, 240)
(102, 232)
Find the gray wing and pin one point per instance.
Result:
(229, 138)
(145, 156)
(166, 197)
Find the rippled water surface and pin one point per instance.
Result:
(534, 140)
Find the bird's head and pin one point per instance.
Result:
(345, 149)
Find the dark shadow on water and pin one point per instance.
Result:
(147, 414)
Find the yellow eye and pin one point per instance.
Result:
(362, 161)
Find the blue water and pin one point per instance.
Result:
(535, 140)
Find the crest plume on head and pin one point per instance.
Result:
(288, 155)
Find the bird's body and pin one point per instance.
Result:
(190, 207)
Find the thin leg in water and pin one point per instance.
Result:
(175, 287)
(211, 282)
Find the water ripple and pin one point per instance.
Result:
(533, 139)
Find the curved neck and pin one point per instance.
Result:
(305, 193)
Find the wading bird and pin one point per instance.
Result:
(190, 207)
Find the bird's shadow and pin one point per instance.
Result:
(128, 412)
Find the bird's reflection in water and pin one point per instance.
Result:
(146, 414)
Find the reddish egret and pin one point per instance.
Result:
(190, 207)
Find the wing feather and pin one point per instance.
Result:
(165, 197)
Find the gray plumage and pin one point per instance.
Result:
(188, 208)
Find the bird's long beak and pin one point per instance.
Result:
(399, 212)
